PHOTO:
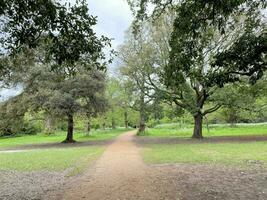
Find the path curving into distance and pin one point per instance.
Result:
(120, 174)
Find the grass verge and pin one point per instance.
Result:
(224, 153)
(74, 159)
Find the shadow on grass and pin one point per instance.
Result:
(59, 145)
(143, 140)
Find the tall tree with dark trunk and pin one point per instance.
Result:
(69, 48)
(64, 97)
(212, 44)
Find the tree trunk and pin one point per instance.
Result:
(113, 123)
(232, 117)
(88, 126)
(69, 138)
(142, 125)
(48, 125)
(126, 119)
(198, 126)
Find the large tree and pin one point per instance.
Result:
(61, 96)
(135, 55)
(212, 44)
(63, 53)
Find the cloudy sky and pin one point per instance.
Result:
(114, 17)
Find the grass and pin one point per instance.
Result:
(217, 153)
(58, 137)
(174, 130)
(207, 153)
(74, 159)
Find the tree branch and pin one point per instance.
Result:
(210, 110)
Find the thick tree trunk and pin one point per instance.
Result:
(126, 119)
(142, 127)
(69, 138)
(198, 126)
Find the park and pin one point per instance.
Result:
(133, 100)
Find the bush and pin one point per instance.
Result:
(19, 126)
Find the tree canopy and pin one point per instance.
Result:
(211, 44)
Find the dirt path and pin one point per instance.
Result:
(120, 174)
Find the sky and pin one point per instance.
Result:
(114, 17)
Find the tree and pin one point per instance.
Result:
(144, 55)
(94, 97)
(236, 97)
(22, 24)
(113, 94)
(63, 54)
(135, 55)
(126, 100)
(119, 96)
(12, 114)
(64, 32)
(63, 97)
(212, 44)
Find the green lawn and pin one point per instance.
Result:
(75, 159)
(58, 137)
(174, 130)
(216, 153)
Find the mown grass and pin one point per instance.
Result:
(239, 154)
(176, 130)
(74, 159)
(58, 137)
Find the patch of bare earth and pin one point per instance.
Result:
(203, 182)
(30, 185)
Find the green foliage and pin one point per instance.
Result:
(54, 54)
(67, 29)
(24, 22)
(211, 44)
(13, 120)
(17, 126)
(247, 51)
